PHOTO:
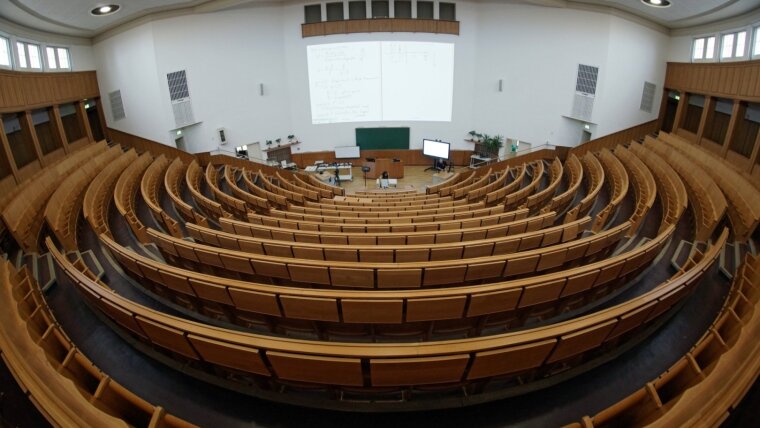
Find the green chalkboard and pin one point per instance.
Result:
(382, 138)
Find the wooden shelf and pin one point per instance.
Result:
(281, 146)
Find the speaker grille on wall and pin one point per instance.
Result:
(117, 105)
(647, 97)
(586, 81)
(179, 93)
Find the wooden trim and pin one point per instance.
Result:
(736, 113)
(708, 107)
(102, 117)
(611, 140)
(8, 153)
(30, 134)
(683, 102)
(733, 80)
(84, 121)
(380, 25)
(21, 91)
(55, 119)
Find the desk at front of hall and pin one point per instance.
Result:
(395, 169)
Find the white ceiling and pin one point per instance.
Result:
(72, 17)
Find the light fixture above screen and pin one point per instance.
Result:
(105, 9)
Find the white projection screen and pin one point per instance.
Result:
(381, 81)
(436, 149)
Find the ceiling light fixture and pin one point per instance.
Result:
(656, 3)
(106, 9)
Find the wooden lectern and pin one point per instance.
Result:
(376, 168)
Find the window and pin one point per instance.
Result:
(57, 58)
(447, 11)
(703, 48)
(380, 9)
(402, 9)
(357, 10)
(5, 52)
(756, 47)
(312, 13)
(425, 10)
(733, 45)
(29, 56)
(335, 11)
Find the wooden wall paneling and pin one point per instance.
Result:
(380, 25)
(707, 112)
(30, 135)
(333, 27)
(8, 155)
(740, 80)
(84, 121)
(357, 26)
(448, 27)
(57, 127)
(102, 116)
(737, 115)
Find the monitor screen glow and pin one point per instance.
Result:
(436, 149)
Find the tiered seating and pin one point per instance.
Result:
(254, 202)
(212, 209)
(594, 174)
(61, 382)
(150, 189)
(63, 208)
(397, 217)
(386, 212)
(230, 204)
(304, 184)
(478, 193)
(337, 191)
(173, 183)
(644, 186)
(24, 214)
(294, 197)
(368, 205)
(125, 191)
(517, 197)
(574, 172)
(705, 384)
(537, 200)
(308, 194)
(436, 188)
(464, 191)
(273, 199)
(499, 196)
(100, 192)
(618, 181)
(466, 181)
(708, 202)
(742, 195)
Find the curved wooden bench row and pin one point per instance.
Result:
(314, 181)
(100, 193)
(617, 183)
(308, 194)
(355, 204)
(63, 208)
(293, 197)
(499, 196)
(390, 218)
(434, 189)
(193, 177)
(464, 191)
(255, 224)
(370, 251)
(173, 182)
(516, 198)
(594, 174)
(384, 193)
(670, 187)
(537, 200)
(273, 199)
(388, 213)
(254, 202)
(24, 214)
(305, 184)
(574, 176)
(707, 200)
(150, 189)
(412, 314)
(707, 383)
(645, 186)
(742, 195)
(449, 190)
(63, 384)
(393, 235)
(480, 193)
(538, 352)
(125, 191)
(412, 198)
(385, 275)
(236, 207)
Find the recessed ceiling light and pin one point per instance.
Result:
(106, 9)
(656, 3)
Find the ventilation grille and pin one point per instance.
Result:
(647, 97)
(583, 106)
(183, 113)
(587, 76)
(178, 89)
(117, 106)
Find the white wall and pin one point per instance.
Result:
(128, 63)
(534, 50)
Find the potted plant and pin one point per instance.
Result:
(472, 135)
(492, 144)
(269, 144)
(278, 141)
(291, 137)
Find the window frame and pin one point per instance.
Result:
(56, 52)
(17, 56)
(706, 38)
(735, 55)
(9, 44)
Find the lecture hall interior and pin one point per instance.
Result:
(457, 213)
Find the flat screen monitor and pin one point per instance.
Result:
(436, 149)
